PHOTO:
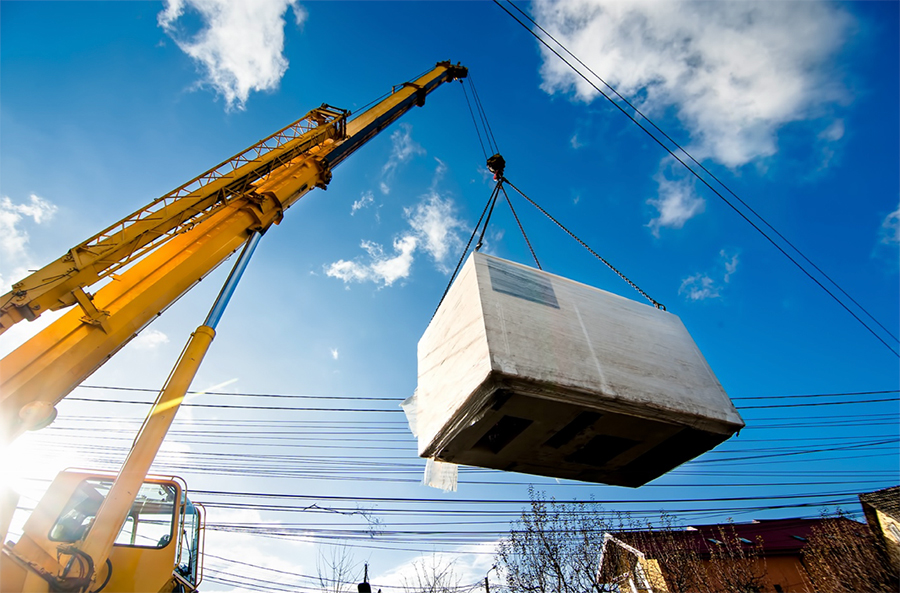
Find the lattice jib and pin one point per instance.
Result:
(235, 168)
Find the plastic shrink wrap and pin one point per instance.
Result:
(524, 371)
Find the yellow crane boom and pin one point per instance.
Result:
(127, 532)
(156, 254)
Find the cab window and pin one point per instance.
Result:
(148, 524)
(189, 541)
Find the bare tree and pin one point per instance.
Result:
(337, 572)
(842, 557)
(678, 555)
(554, 547)
(432, 575)
(734, 567)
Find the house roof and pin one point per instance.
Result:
(779, 537)
(886, 500)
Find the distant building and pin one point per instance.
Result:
(882, 511)
(757, 556)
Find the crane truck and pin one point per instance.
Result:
(127, 531)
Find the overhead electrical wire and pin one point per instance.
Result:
(844, 394)
(289, 464)
(215, 438)
(808, 404)
(400, 399)
(271, 395)
(703, 180)
(494, 501)
(238, 406)
(384, 469)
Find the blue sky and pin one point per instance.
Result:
(105, 106)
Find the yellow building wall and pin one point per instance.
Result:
(893, 543)
(785, 571)
(788, 573)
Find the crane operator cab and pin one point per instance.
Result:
(157, 548)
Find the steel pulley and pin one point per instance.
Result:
(496, 165)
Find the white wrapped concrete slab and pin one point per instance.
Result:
(524, 371)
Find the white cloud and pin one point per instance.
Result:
(433, 227)
(828, 140)
(334, 353)
(890, 228)
(734, 71)
(366, 199)
(272, 560)
(576, 142)
(380, 268)
(730, 262)
(14, 239)
(492, 239)
(699, 287)
(389, 270)
(403, 148)
(709, 285)
(434, 221)
(834, 132)
(439, 171)
(466, 564)
(677, 203)
(486, 176)
(150, 339)
(240, 47)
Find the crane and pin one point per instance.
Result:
(127, 531)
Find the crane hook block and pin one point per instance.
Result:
(496, 164)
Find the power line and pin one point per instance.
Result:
(239, 407)
(806, 405)
(399, 399)
(703, 180)
(844, 394)
(398, 410)
(271, 395)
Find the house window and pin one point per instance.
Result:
(894, 531)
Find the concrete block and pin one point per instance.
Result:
(525, 371)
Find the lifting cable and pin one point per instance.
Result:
(497, 165)
(474, 122)
(516, 216)
(489, 133)
(466, 250)
(655, 303)
(702, 179)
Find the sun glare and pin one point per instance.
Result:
(30, 463)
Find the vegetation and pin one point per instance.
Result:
(842, 557)
(559, 547)
(577, 547)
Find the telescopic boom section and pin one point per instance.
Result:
(158, 253)
(58, 284)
